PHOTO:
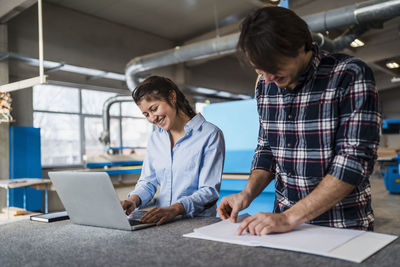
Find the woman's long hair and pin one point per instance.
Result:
(160, 88)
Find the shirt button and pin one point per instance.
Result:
(289, 174)
(289, 145)
(290, 116)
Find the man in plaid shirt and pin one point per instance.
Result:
(319, 129)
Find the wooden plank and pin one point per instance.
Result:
(235, 176)
(10, 87)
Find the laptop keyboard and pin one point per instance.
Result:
(134, 222)
(135, 216)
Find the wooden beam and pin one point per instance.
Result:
(22, 84)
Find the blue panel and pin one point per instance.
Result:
(392, 179)
(238, 185)
(25, 162)
(113, 163)
(284, 3)
(126, 163)
(386, 123)
(98, 164)
(238, 161)
(263, 203)
(238, 120)
(123, 171)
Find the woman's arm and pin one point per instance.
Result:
(212, 163)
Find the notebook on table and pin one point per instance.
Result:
(50, 217)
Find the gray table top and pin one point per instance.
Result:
(27, 243)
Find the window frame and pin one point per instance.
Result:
(82, 117)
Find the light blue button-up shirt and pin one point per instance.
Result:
(189, 174)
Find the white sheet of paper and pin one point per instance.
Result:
(352, 245)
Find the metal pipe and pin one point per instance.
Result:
(349, 36)
(52, 65)
(361, 13)
(40, 25)
(349, 15)
(203, 49)
(105, 135)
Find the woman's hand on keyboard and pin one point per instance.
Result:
(130, 204)
(162, 215)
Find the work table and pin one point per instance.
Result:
(28, 243)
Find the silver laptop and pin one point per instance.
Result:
(90, 199)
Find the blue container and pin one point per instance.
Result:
(238, 120)
(392, 179)
(25, 162)
(263, 203)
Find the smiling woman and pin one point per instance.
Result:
(185, 156)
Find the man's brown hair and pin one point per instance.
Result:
(269, 33)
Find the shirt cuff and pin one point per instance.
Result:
(263, 163)
(144, 196)
(347, 169)
(188, 205)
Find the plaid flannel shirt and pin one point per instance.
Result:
(328, 124)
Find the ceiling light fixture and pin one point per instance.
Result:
(392, 65)
(357, 43)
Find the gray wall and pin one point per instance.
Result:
(390, 106)
(4, 127)
(226, 74)
(76, 39)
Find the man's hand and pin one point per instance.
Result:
(162, 215)
(264, 223)
(231, 205)
(130, 204)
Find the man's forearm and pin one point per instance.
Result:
(329, 192)
(258, 180)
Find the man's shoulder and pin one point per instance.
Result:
(340, 62)
(264, 88)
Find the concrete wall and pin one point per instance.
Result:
(4, 127)
(76, 39)
(390, 107)
(79, 39)
(226, 74)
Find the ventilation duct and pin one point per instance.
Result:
(203, 49)
(365, 12)
(105, 135)
(362, 13)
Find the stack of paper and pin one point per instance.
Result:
(352, 245)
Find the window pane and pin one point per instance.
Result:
(60, 139)
(93, 129)
(114, 132)
(92, 102)
(131, 109)
(135, 132)
(55, 98)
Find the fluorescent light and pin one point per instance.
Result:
(395, 80)
(392, 65)
(357, 43)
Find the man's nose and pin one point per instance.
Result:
(269, 77)
(260, 72)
